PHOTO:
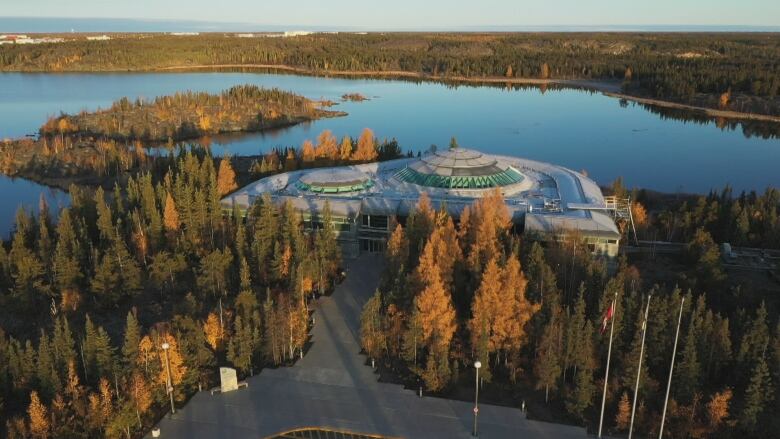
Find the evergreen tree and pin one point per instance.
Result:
(582, 396)
(48, 380)
(758, 395)
(63, 345)
(132, 338)
(688, 372)
(547, 366)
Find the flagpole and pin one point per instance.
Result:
(639, 368)
(609, 355)
(671, 369)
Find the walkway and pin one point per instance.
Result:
(333, 389)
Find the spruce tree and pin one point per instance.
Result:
(63, 345)
(758, 395)
(581, 397)
(132, 338)
(688, 372)
(547, 365)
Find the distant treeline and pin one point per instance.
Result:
(189, 115)
(731, 71)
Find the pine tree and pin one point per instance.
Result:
(171, 215)
(547, 366)
(718, 408)
(487, 327)
(213, 331)
(372, 338)
(241, 347)
(132, 338)
(366, 147)
(327, 146)
(623, 415)
(757, 395)
(63, 345)
(437, 322)
(345, 151)
(226, 179)
(688, 372)
(582, 396)
(48, 380)
(754, 340)
(271, 333)
(308, 154)
(39, 417)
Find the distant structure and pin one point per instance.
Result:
(297, 33)
(98, 38)
(24, 39)
(546, 202)
(245, 35)
(185, 34)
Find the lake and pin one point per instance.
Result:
(577, 129)
(18, 192)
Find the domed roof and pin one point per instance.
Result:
(457, 161)
(334, 180)
(460, 168)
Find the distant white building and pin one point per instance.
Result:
(185, 34)
(297, 33)
(43, 40)
(98, 38)
(245, 35)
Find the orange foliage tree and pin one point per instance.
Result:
(226, 177)
(327, 146)
(170, 215)
(366, 147)
(213, 331)
(437, 324)
(39, 417)
(489, 220)
(308, 154)
(345, 151)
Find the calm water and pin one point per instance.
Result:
(573, 128)
(18, 192)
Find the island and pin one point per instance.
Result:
(189, 115)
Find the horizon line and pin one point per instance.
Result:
(212, 25)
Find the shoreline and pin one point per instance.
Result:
(607, 88)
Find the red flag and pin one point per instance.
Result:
(607, 316)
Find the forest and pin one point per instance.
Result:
(747, 219)
(533, 315)
(189, 115)
(730, 71)
(218, 288)
(157, 259)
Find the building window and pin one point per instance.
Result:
(372, 246)
(378, 222)
(374, 221)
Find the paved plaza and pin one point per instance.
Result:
(332, 388)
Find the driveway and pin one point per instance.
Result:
(331, 387)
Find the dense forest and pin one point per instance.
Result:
(748, 219)
(218, 288)
(719, 70)
(452, 294)
(188, 115)
(155, 259)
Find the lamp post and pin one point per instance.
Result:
(477, 365)
(165, 347)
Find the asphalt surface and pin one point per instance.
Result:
(331, 387)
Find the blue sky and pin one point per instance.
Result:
(416, 13)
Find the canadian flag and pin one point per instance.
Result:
(607, 317)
